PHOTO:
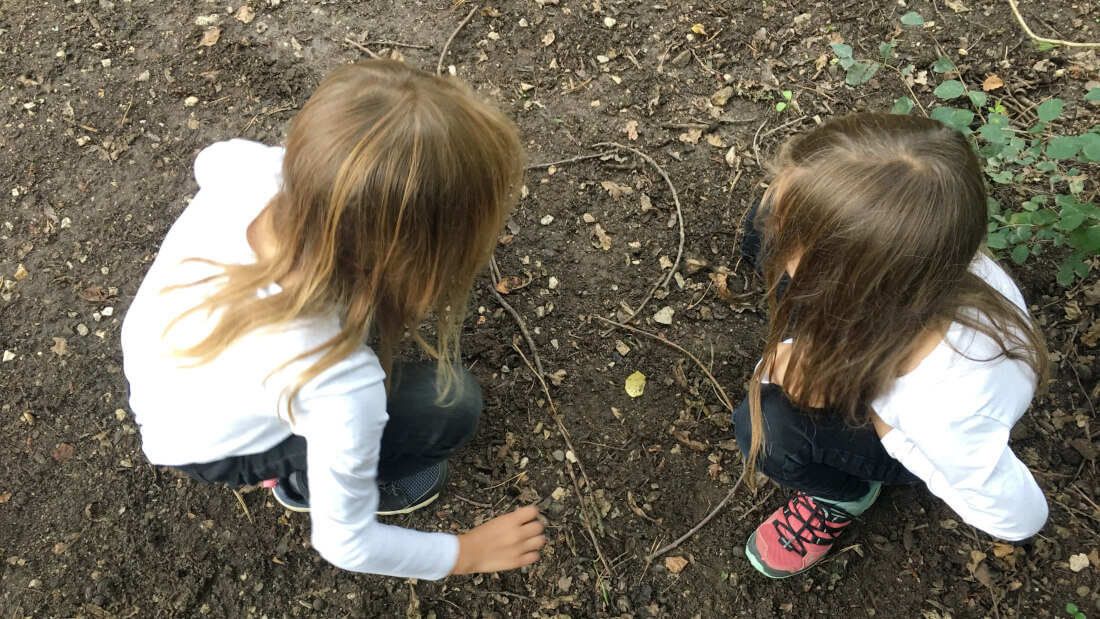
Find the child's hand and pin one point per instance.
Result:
(504, 543)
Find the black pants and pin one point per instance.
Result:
(419, 433)
(814, 452)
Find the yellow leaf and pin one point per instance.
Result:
(698, 29)
(675, 564)
(635, 384)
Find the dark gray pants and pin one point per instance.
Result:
(419, 434)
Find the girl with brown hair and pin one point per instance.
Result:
(245, 347)
(897, 350)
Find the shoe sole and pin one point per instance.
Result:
(293, 508)
(408, 510)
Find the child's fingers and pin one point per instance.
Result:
(534, 543)
(525, 514)
(527, 559)
(531, 529)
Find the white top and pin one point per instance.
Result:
(952, 416)
(196, 414)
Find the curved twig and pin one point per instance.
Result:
(447, 45)
(1038, 39)
(704, 521)
(679, 218)
(537, 166)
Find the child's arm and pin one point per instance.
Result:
(969, 465)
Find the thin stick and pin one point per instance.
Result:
(1038, 39)
(783, 126)
(704, 521)
(361, 47)
(519, 321)
(398, 44)
(537, 166)
(471, 501)
(240, 499)
(447, 45)
(916, 99)
(679, 218)
(569, 467)
(717, 387)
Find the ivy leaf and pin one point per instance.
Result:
(886, 50)
(1020, 253)
(1093, 94)
(996, 240)
(943, 64)
(861, 73)
(949, 89)
(912, 18)
(1063, 147)
(1050, 109)
(1072, 218)
(978, 98)
(955, 118)
(902, 106)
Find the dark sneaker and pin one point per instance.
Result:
(801, 533)
(291, 492)
(413, 492)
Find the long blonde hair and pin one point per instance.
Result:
(885, 214)
(395, 185)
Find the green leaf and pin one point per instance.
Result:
(949, 89)
(902, 106)
(1086, 239)
(782, 105)
(912, 18)
(955, 118)
(1004, 177)
(1045, 166)
(861, 73)
(978, 98)
(1044, 217)
(886, 49)
(996, 240)
(943, 64)
(1093, 94)
(1050, 109)
(1066, 275)
(1063, 147)
(1091, 152)
(1020, 253)
(1072, 218)
(1037, 128)
(842, 50)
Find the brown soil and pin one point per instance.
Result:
(98, 141)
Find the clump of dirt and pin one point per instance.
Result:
(105, 105)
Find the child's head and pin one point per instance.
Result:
(396, 183)
(877, 219)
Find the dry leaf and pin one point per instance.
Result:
(675, 564)
(691, 136)
(94, 294)
(1091, 337)
(664, 315)
(245, 14)
(647, 203)
(621, 346)
(635, 384)
(958, 7)
(510, 283)
(732, 160)
(64, 451)
(616, 190)
(548, 38)
(699, 29)
(602, 240)
(1003, 550)
(5, 497)
(556, 378)
(211, 36)
(716, 141)
(631, 129)
(722, 96)
(21, 272)
(1078, 562)
(992, 83)
(60, 346)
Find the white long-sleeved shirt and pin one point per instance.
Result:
(952, 416)
(232, 405)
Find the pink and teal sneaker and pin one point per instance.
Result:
(801, 532)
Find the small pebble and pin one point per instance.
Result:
(559, 455)
(191, 101)
(82, 329)
(546, 221)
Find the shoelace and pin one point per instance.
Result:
(815, 526)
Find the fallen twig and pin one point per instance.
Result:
(1038, 39)
(361, 47)
(537, 166)
(717, 387)
(515, 315)
(398, 44)
(704, 521)
(447, 45)
(679, 218)
(240, 499)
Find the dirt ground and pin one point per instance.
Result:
(105, 104)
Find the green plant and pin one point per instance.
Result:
(1073, 612)
(1051, 169)
(782, 105)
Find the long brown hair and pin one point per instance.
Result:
(885, 214)
(395, 185)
